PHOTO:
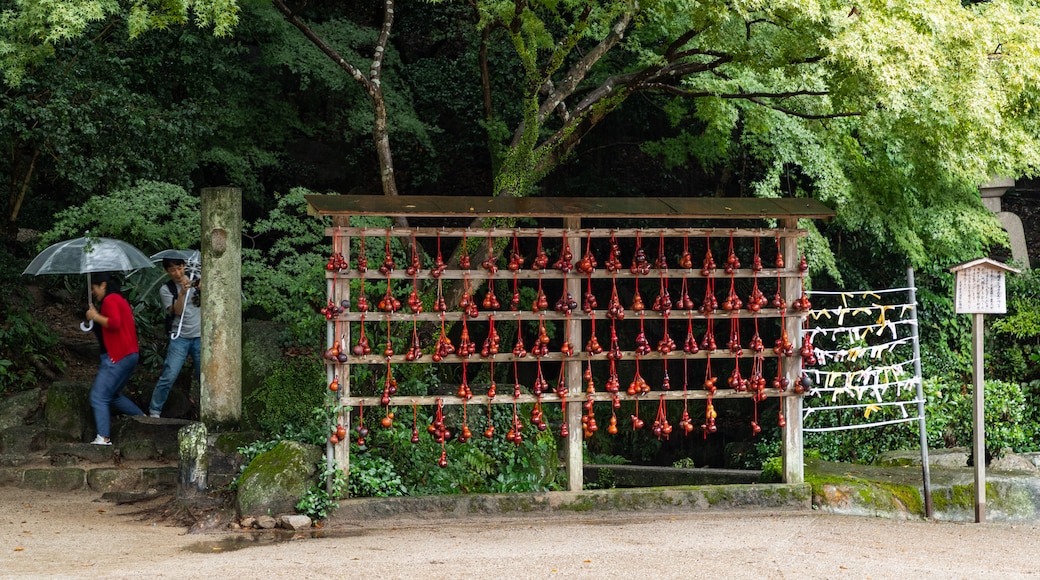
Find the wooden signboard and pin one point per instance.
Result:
(980, 287)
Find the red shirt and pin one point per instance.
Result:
(121, 333)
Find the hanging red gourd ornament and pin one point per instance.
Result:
(416, 264)
(362, 257)
(438, 263)
(732, 263)
(613, 263)
(516, 261)
(642, 344)
(708, 342)
(708, 265)
(684, 422)
(541, 259)
(489, 432)
(690, 344)
(686, 259)
(663, 302)
(684, 302)
(465, 434)
(660, 427)
(415, 423)
(414, 351)
(518, 349)
(362, 347)
(388, 260)
(444, 347)
(661, 262)
(640, 265)
(489, 264)
(362, 431)
(492, 342)
(637, 423)
(514, 301)
(566, 260)
(637, 300)
(615, 311)
(464, 260)
(587, 263)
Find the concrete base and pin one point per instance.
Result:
(794, 497)
(897, 492)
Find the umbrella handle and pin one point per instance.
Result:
(88, 325)
(180, 324)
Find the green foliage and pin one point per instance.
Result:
(285, 402)
(373, 476)
(605, 459)
(283, 275)
(1010, 414)
(318, 503)
(31, 30)
(479, 466)
(685, 463)
(1015, 355)
(26, 342)
(151, 216)
(772, 470)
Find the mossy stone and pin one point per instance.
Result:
(68, 408)
(275, 481)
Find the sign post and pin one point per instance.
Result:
(979, 289)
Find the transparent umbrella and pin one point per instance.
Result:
(86, 255)
(192, 268)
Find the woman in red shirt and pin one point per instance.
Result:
(118, 341)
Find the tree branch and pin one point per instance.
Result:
(566, 86)
(384, 38)
(332, 53)
(372, 86)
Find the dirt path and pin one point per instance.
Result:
(73, 535)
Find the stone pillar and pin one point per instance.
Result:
(221, 401)
(194, 460)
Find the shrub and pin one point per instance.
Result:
(288, 397)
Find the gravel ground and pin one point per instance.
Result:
(74, 535)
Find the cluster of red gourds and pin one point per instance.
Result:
(663, 304)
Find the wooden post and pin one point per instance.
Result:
(340, 452)
(221, 403)
(978, 417)
(793, 448)
(575, 461)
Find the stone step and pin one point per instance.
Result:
(143, 456)
(111, 478)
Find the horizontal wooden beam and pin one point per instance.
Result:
(742, 208)
(550, 397)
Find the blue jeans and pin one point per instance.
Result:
(106, 392)
(176, 354)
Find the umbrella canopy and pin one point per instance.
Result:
(192, 260)
(89, 254)
(86, 255)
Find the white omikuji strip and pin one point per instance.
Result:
(877, 390)
(864, 294)
(855, 353)
(859, 426)
(875, 406)
(860, 333)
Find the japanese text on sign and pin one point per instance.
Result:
(980, 290)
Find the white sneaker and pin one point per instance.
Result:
(99, 440)
(155, 414)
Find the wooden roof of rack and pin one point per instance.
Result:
(586, 207)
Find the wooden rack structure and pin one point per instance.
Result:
(660, 215)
